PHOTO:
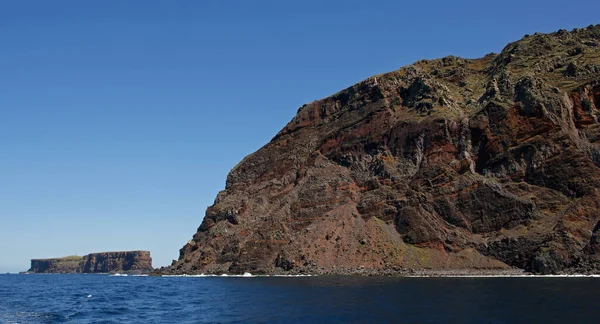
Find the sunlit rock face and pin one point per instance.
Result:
(454, 163)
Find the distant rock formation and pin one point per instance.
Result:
(490, 163)
(103, 262)
(70, 264)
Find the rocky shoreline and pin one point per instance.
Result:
(400, 273)
(419, 272)
(364, 272)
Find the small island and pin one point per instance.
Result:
(136, 262)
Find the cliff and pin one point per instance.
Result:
(117, 262)
(449, 164)
(104, 262)
(70, 264)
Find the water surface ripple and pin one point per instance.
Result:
(107, 299)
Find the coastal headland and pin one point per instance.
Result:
(452, 164)
(102, 262)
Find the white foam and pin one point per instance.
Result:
(187, 275)
(294, 276)
(245, 275)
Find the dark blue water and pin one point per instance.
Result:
(65, 298)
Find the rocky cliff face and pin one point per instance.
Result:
(117, 262)
(104, 262)
(69, 264)
(454, 163)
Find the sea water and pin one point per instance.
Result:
(247, 299)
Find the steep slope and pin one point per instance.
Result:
(453, 163)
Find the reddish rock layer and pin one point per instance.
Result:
(128, 261)
(447, 164)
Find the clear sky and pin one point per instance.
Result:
(119, 120)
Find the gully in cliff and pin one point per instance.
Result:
(453, 164)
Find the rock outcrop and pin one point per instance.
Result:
(70, 264)
(104, 262)
(490, 163)
(129, 261)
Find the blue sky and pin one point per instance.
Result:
(119, 120)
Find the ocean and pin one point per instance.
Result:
(119, 299)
